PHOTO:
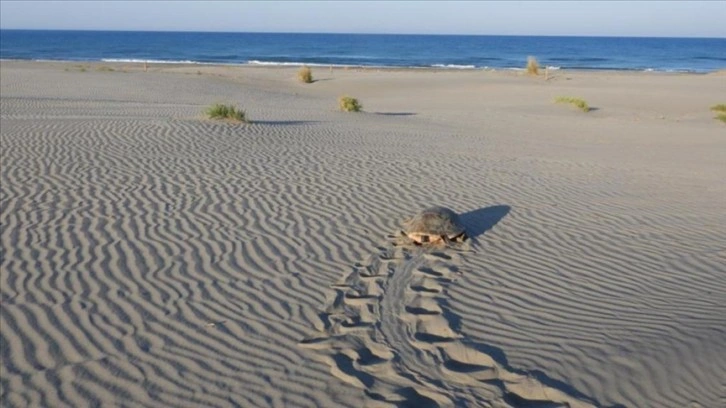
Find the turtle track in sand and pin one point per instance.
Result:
(387, 329)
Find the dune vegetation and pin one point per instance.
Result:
(226, 112)
(532, 66)
(720, 110)
(349, 104)
(579, 103)
(305, 75)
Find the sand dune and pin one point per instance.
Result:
(151, 257)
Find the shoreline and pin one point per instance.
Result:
(321, 66)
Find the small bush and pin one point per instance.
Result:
(720, 110)
(104, 68)
(532, 66)
(348, 104)
(573, 101)
(228, 112)
(305, 75)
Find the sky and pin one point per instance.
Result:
(587, 18)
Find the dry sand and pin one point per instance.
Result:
(154, 258)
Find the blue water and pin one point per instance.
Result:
(379, 50)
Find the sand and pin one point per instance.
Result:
(152, 257)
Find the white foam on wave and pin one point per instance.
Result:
(454, 66)
(297, 64)
(151, 61)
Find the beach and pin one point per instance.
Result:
(154, 257)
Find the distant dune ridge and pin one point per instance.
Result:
(153, 257)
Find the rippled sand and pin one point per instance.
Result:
(151, 257)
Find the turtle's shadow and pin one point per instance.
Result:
(480, 221)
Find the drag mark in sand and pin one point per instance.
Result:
(388, 330)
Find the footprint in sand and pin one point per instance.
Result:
(386, 329)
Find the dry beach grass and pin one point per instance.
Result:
(720, 111)
(155, 258)
(577, 102)
(305, 75)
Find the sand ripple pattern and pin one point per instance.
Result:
(389, 330)
(149, 258)
(146, 263)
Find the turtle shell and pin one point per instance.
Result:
(433, 225)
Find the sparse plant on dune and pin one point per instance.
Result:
(580, 103)
(104, 68)
(226, 112)
(720, 110)
(305, 75)
(349, 104)
(532, 66)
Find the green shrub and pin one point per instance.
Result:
(573, 101)
(305, 75)
(720, 110)
(228, 112)
(532, 66)
(348, 104)
(104, 68)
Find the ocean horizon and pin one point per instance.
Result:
(443, 51)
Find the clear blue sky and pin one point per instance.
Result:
(617, 18)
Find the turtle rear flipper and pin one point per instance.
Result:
(460, 238)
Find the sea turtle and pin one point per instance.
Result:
(433, 225)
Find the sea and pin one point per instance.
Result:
(698, 55)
